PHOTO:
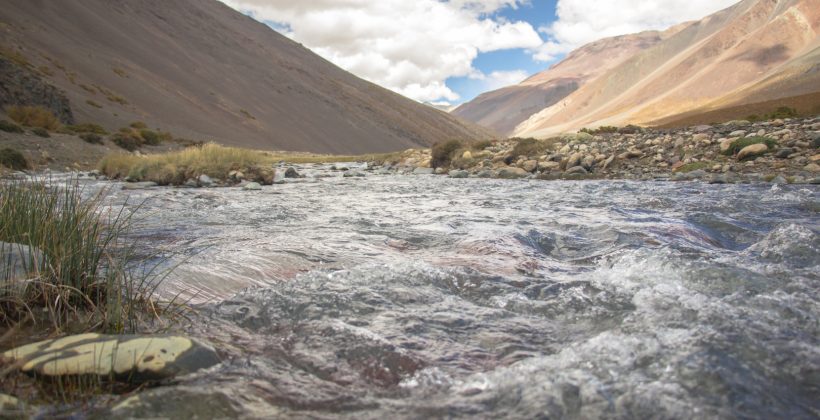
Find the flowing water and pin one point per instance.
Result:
(428, 297)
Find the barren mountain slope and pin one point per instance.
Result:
(202, 70)
(503, 109)
(729, 51)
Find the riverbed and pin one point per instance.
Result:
(398, 296)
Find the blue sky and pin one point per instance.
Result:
(449, 51)
(540, 13)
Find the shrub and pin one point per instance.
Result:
(13, 159)
(604, 129)
(442, 153)
(481, 145)
(139, 125)
(149, 137)
(739, 144)
(33, 116)
(88, 269)
(92, 138)
(10, 127)
(782, 112)
(84, 128)
(127, 141)
(94, 104)
(630, 129)
(40, 132)
(530, 147)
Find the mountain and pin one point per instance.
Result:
(504, 109)
(755, 52)
(199, 69)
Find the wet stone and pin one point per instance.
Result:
(132, 358)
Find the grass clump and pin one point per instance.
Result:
(531, 147)
(92, 138)
(33, 116)
(13, 159)
(176, 167)
(84, 128)
(138, 125)
(80, 270)
(780, 113)
(94, 104)
(604, 129)
(739, 144)
(10, 127)
(442, 153)
(481, 145)
(127, 141)
(40, 132)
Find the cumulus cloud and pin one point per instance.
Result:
(411, 47)
(583, 21)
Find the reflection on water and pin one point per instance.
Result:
(417, 297)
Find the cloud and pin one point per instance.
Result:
(583, 21)
(411, 47)
(499, 79)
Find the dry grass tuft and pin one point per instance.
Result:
(33, 116)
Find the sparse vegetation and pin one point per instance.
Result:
(10, 127)
(247, 114)
(46, 71)
(33, 116)
(89, 89)
(531, 147)
(14, 56)
(443, 152)
(117, 99)
(40, 132)
(176, 167)
(127, 141)
(780, 113)
(138, 125)
(84, 128)
(120, 72)
(80, 273)
(94, 104)
(13, 159)
(739, 144)
(92, 138)
(600, 130)
(149, 137)
(481, 145)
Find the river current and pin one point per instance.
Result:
(427, 297)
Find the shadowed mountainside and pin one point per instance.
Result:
(200, 69)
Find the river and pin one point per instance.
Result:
(428, 297)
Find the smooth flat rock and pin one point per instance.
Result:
(512, 173)
(134, 358)
(752, 150)
(423, 171)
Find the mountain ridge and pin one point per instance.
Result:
(200, 69)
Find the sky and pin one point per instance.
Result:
(450, 51)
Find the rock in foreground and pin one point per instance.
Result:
(133, 358)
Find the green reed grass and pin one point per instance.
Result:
(84, 270)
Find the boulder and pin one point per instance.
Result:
(725, 144)
(467, 155)
(548, 166)
(738, 133)
(512, 173)
(205, 180)
(779, 180)
(784, 153)
(459, 174)
(19, 260)
(423, 171)
(530, 165)
(278, 178)
(752, 151)
(291, 173)
(252, 186)
(131, 358)
(575, 160)
(354, 174)
(812, 167)
(576, 170)
(608, 162)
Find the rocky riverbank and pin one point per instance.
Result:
(784, 151)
